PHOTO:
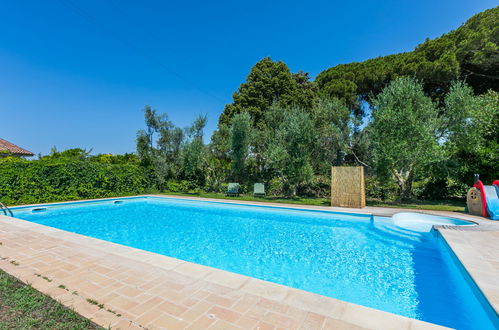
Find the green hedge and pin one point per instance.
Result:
(26, 182)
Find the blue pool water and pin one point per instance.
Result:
(355, 258)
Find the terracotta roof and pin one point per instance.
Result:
(13, 149)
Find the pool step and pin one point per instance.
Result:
(386, 226)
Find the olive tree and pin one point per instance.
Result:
(240, 134)
(404, 132)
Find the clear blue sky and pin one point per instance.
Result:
(78, 73)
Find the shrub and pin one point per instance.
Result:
(181, 186)
(380, 190)
(37, 181)
(320, 186)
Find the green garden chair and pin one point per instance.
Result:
(258, 190)
(232, 189)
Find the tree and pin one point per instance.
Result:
(479, 152)
(161, 158)
(403, 133)
(332, 129)
(268, 82)
(194, 151)
(289, 152)
(240, 134)
(470, 52)
(68, 154)
(462, 119)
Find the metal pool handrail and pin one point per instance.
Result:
(5, 209)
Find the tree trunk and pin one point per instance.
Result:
(404, 181)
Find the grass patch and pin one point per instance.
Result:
(23, 307)
(243, 197)
(447, 205)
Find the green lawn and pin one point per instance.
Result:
(454, 206)
(22, 307)
(243, 197)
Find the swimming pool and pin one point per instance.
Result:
(357, 258)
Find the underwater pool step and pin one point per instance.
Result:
(393, 230)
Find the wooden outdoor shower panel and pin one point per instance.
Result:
(347, 186)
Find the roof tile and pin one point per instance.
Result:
(13, 149)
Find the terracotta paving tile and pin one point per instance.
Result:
(363, 317)
(141, 308)
(334, 324)
(105, 318)
(107, 297)
(147, 285)
(55, 291)
(224, 314)
(190, 302)
(245, 303)
(203, 322)
(102, 270)
(217, 288)
(313, 321)
(296, 313)
(125, 325)
(129, 291)
(97, 278)
(265, 289)
(170, 285)
(264, 326)
(281, 321)
(231, 280)
(315, 303)
(256, 312)
(85, 308)
(223, 325)
(172, 308)
(147, 318)
(193, 270)
(201, 308)
(89, 287)
(123, 303)
(246, 323)
(114, 286)
(66, 298)
(272, 305)
(220, 300)
(170, 322)
(170, 294)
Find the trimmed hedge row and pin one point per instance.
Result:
(26, 182)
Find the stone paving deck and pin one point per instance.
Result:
(127, 288)
(478, 251)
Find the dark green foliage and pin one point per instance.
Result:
(332, 129)
(413, 139)
(167, 152)
(25, 182)
(483, 157)
(194, 152)
(240, 135)
(403, 133)
(269, 82)
(470, 52)
(69, 154)
(439, 138)
(289, 151)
